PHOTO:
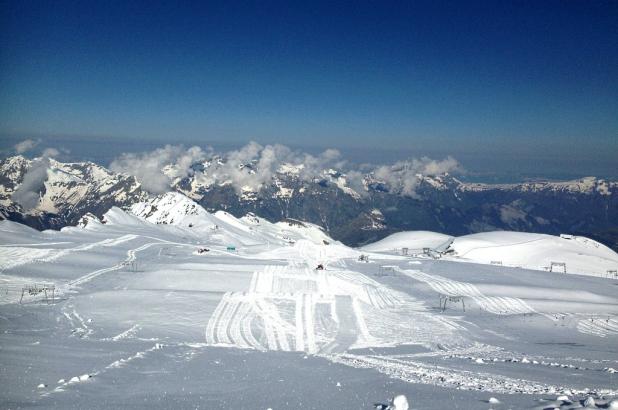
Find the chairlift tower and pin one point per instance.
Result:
(34, 289)
(444, 299)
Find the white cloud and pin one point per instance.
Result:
(148, 167)
(29, 191)
(432, 167)
(26, 145)
(50, 152)
(402, 176)
(253, 166)
(356, 181)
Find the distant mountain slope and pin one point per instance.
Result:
(67, 192)
(181, 212)
(355, 211)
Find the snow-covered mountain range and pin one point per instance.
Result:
(66, 191)
(352, 207)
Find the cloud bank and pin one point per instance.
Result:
(402, 176)
(25, 145)
(250, 167)
(148, 167)
(254, 166)
(28, 193)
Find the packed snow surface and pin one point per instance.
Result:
(169, 306)
(568, 254)
(412, 240)
(564, 253)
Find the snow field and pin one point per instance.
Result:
(268, 298)
(280, 311)
(492, 304)
(414, 241)
(419, 372)
(130, 258)
(537, 251)
(598, 326)
(579, 255)
(13, 256)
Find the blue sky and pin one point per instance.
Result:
(463, 77)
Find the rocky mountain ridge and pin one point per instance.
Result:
(352, 207)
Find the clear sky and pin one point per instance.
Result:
(460, 76)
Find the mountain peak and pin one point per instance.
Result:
(341, 202)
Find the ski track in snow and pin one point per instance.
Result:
(131, 332)
(594, 325)
(326, 312)
(12, 256)
(71, 381)
(9, 245)
(418, 372)
(499, 305)
(280, 312)
(476, 248)
(79, 326)
(28, 255)
(598, 326)
(131, 257)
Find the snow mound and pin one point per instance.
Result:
(182, 213)
(174, 208)
(313, 253)
(287, 232)
(231, 220)
(296, 230)
(116, 216)
(10, 227)
(400, 403)
(567, 254)
(89, 221)
(564, 253)
(413, 240)
(192, 219)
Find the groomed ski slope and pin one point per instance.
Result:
(167, 315)
(537, 251)
(567, 253)
(414, 241)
